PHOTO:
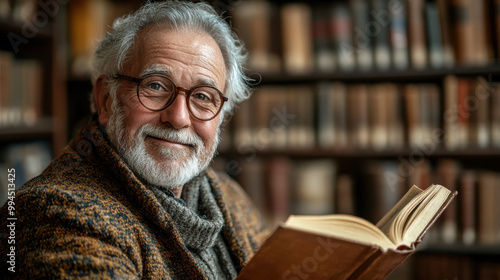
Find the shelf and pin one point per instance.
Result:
(409, 75)
(346, 153)
(24, 37)
(21, 28)
(42, 128)
(474, 250)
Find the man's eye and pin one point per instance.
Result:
(202, 96)
(155, 86)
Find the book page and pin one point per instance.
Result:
(426, 213)
(416, 215)
(342, 226)
(386, 221)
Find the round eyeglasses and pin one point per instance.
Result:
(156, 92)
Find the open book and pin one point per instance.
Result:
(348, 247)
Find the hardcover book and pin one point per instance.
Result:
(348, 247)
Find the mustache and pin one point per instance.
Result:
(180, 136)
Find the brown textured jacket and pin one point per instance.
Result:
(88, 215)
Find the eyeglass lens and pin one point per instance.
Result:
(156, 92)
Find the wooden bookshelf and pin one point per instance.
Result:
(33, 108)
(350, 153)
(251, 161)
(401, 76)
(362, 164)
(44, 47)
(42, 128)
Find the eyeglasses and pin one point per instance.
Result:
(156, 92)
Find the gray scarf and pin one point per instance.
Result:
(199, 222)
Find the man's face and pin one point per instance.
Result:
(168, 142)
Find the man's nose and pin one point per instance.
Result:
(177, 114)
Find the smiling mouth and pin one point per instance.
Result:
(170, 141)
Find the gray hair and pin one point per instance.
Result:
(114, 48)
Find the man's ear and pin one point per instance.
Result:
(102, 100)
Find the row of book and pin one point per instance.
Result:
(27, 159)
(366, 35)
(335, 115)
(281, 186)
(474, 218)
(21, 88)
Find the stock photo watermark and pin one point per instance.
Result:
(11, 220)
(30, 29)
(310, 264)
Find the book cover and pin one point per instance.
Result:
(362, 39)
(341, 32)
(381, 17)
(324, 52)
(446, 32)
(463, 26)
(416, 34)
(433, 31)
(297, 37)
(398, 34)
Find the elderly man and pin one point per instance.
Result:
(131, 196)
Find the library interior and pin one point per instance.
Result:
(354, 102)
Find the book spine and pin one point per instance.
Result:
(435, 46)
(468, 207)
(398, 34)
(416, 34)
(462, 14)
(324, 54)
(446, 32)
(341, 26)
(297, 37)
(380, 15)
(362, 39)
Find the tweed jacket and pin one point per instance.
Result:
(88, 215)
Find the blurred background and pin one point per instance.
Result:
(355, 101)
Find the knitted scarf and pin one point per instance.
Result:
(199, 222)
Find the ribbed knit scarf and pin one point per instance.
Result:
(199, 222)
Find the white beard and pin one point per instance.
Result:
(171, 172)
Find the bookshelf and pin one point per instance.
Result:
(407, 57)
(266, 150)
(32, 92)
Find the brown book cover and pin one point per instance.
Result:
(278, 174)
(252, 21)
(416, 34)
(496, 24)
(447, 172)
(450, 114)
(488, 208)
(446, 32)
(297, 37)
(468, 206)
(292, 253)
(357, 116)
(495, 116)
(378, 116)
(463, 25)
(313, 186)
